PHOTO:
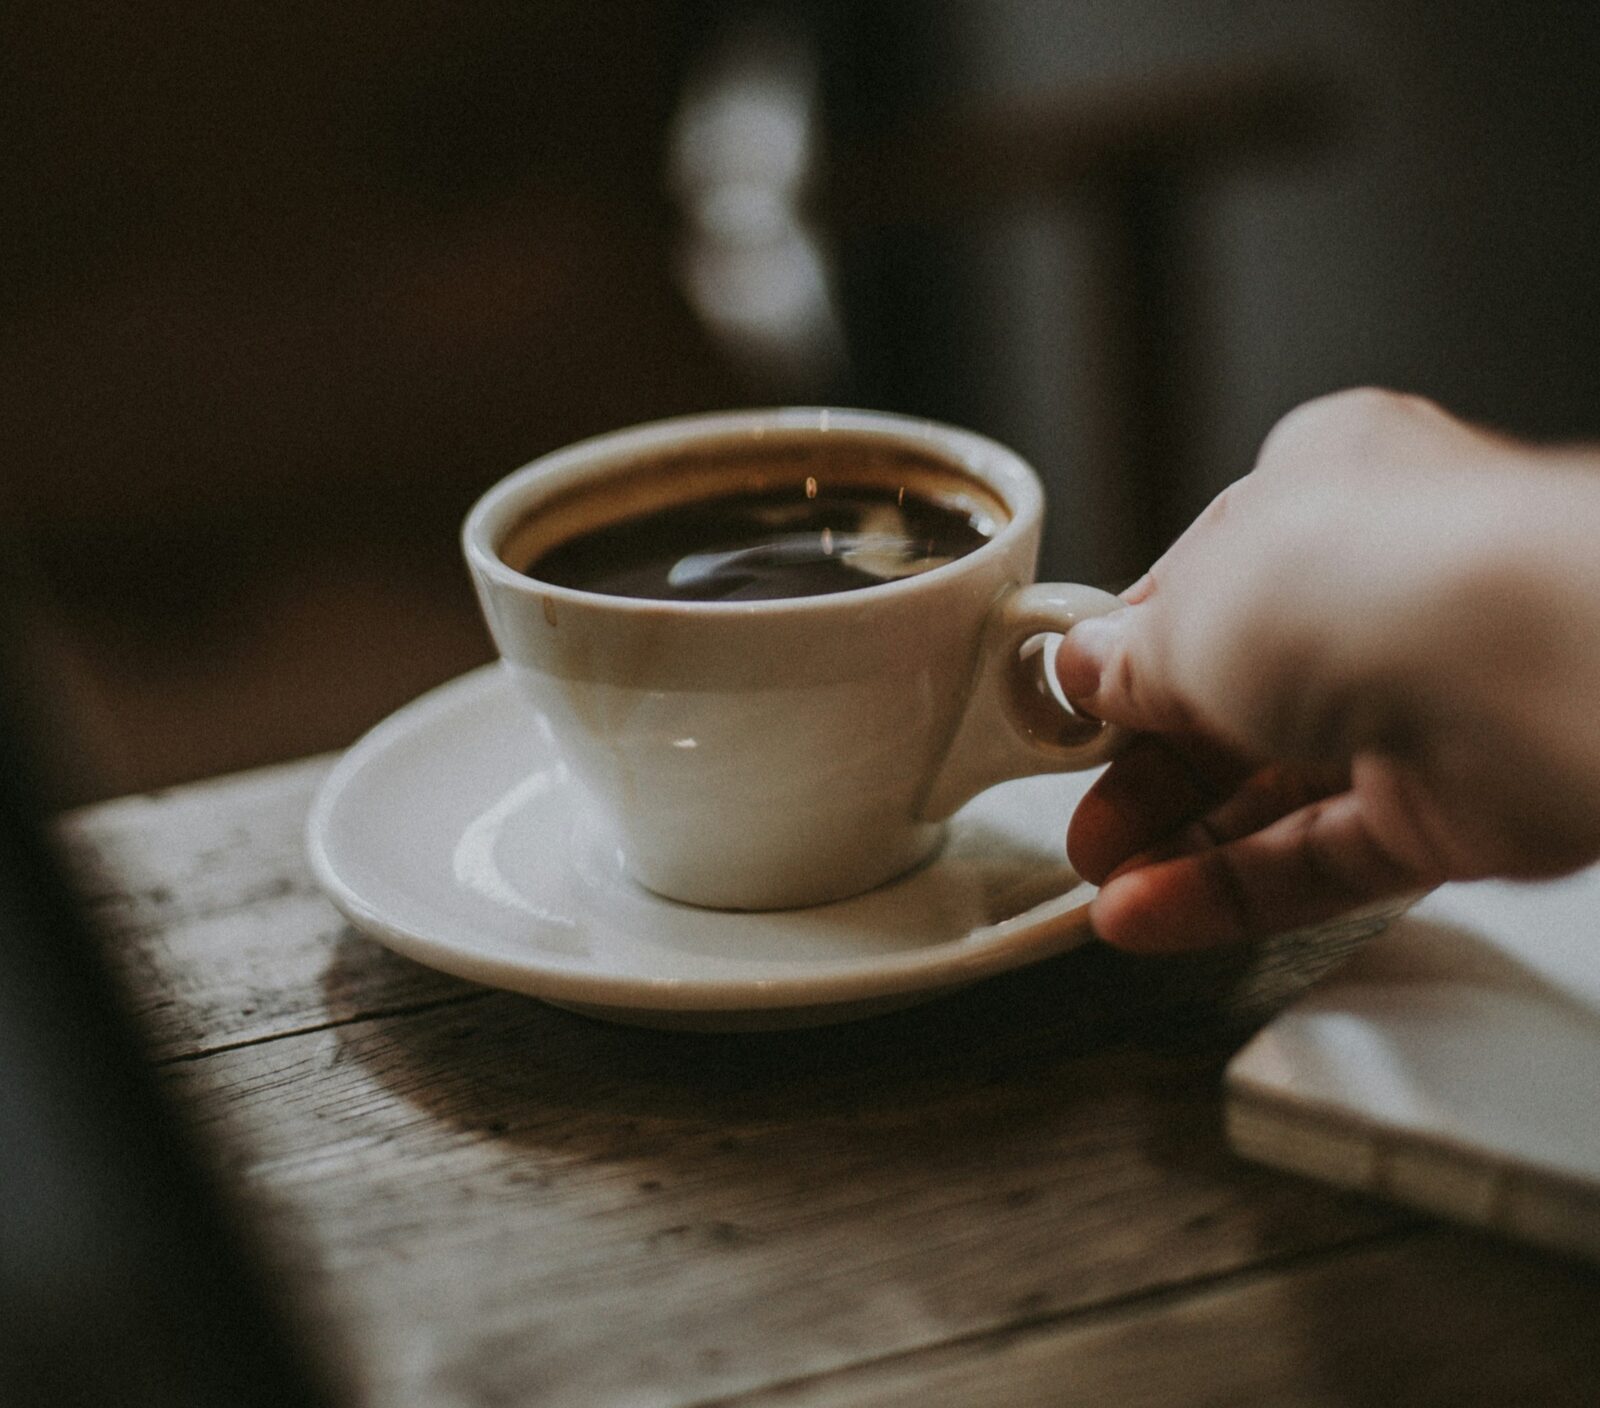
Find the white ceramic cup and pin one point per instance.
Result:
(767, 754)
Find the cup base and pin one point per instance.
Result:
(798, 884)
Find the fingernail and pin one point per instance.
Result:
(1083, 655)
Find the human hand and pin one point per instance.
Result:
(1354, 682)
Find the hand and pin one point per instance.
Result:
(1367, 668)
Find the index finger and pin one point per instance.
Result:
(1316, 864)
(1155, 785)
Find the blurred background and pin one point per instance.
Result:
(286, 287)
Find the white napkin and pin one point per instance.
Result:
(1454, 1063)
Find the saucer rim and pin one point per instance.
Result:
(1022, 939)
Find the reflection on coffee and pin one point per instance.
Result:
(783, 520)
(806, 540)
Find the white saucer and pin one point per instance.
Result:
(451, 834)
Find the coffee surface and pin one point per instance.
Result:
(792, 541)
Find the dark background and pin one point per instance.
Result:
(286, 287)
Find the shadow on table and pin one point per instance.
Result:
(493, 1061)
(1043, 1142)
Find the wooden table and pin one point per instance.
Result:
(1016, 1195)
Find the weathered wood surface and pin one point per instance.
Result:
(215, 920)
(1438, 1318)
(1018, 1194)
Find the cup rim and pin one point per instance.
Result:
(998, 467)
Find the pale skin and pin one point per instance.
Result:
(1371, 666)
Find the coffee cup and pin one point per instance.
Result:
(788, 749)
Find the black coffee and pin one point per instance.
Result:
(806, 537)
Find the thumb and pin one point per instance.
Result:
(1106, 666)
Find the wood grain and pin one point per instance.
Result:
(491, 1201)
(1435, 1319)
(503, 1194)
(215, 923)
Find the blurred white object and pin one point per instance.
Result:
(743, 149)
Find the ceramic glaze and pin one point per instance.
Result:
(769, 754)
(452, 834)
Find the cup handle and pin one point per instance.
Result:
(1013, 726)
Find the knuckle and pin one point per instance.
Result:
(1342, 857)
(1354, 425)
(1124, 682)
(1230, 895)
(1137, 694)
(1221, 506)
(1326, 869)
(1142, 684)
